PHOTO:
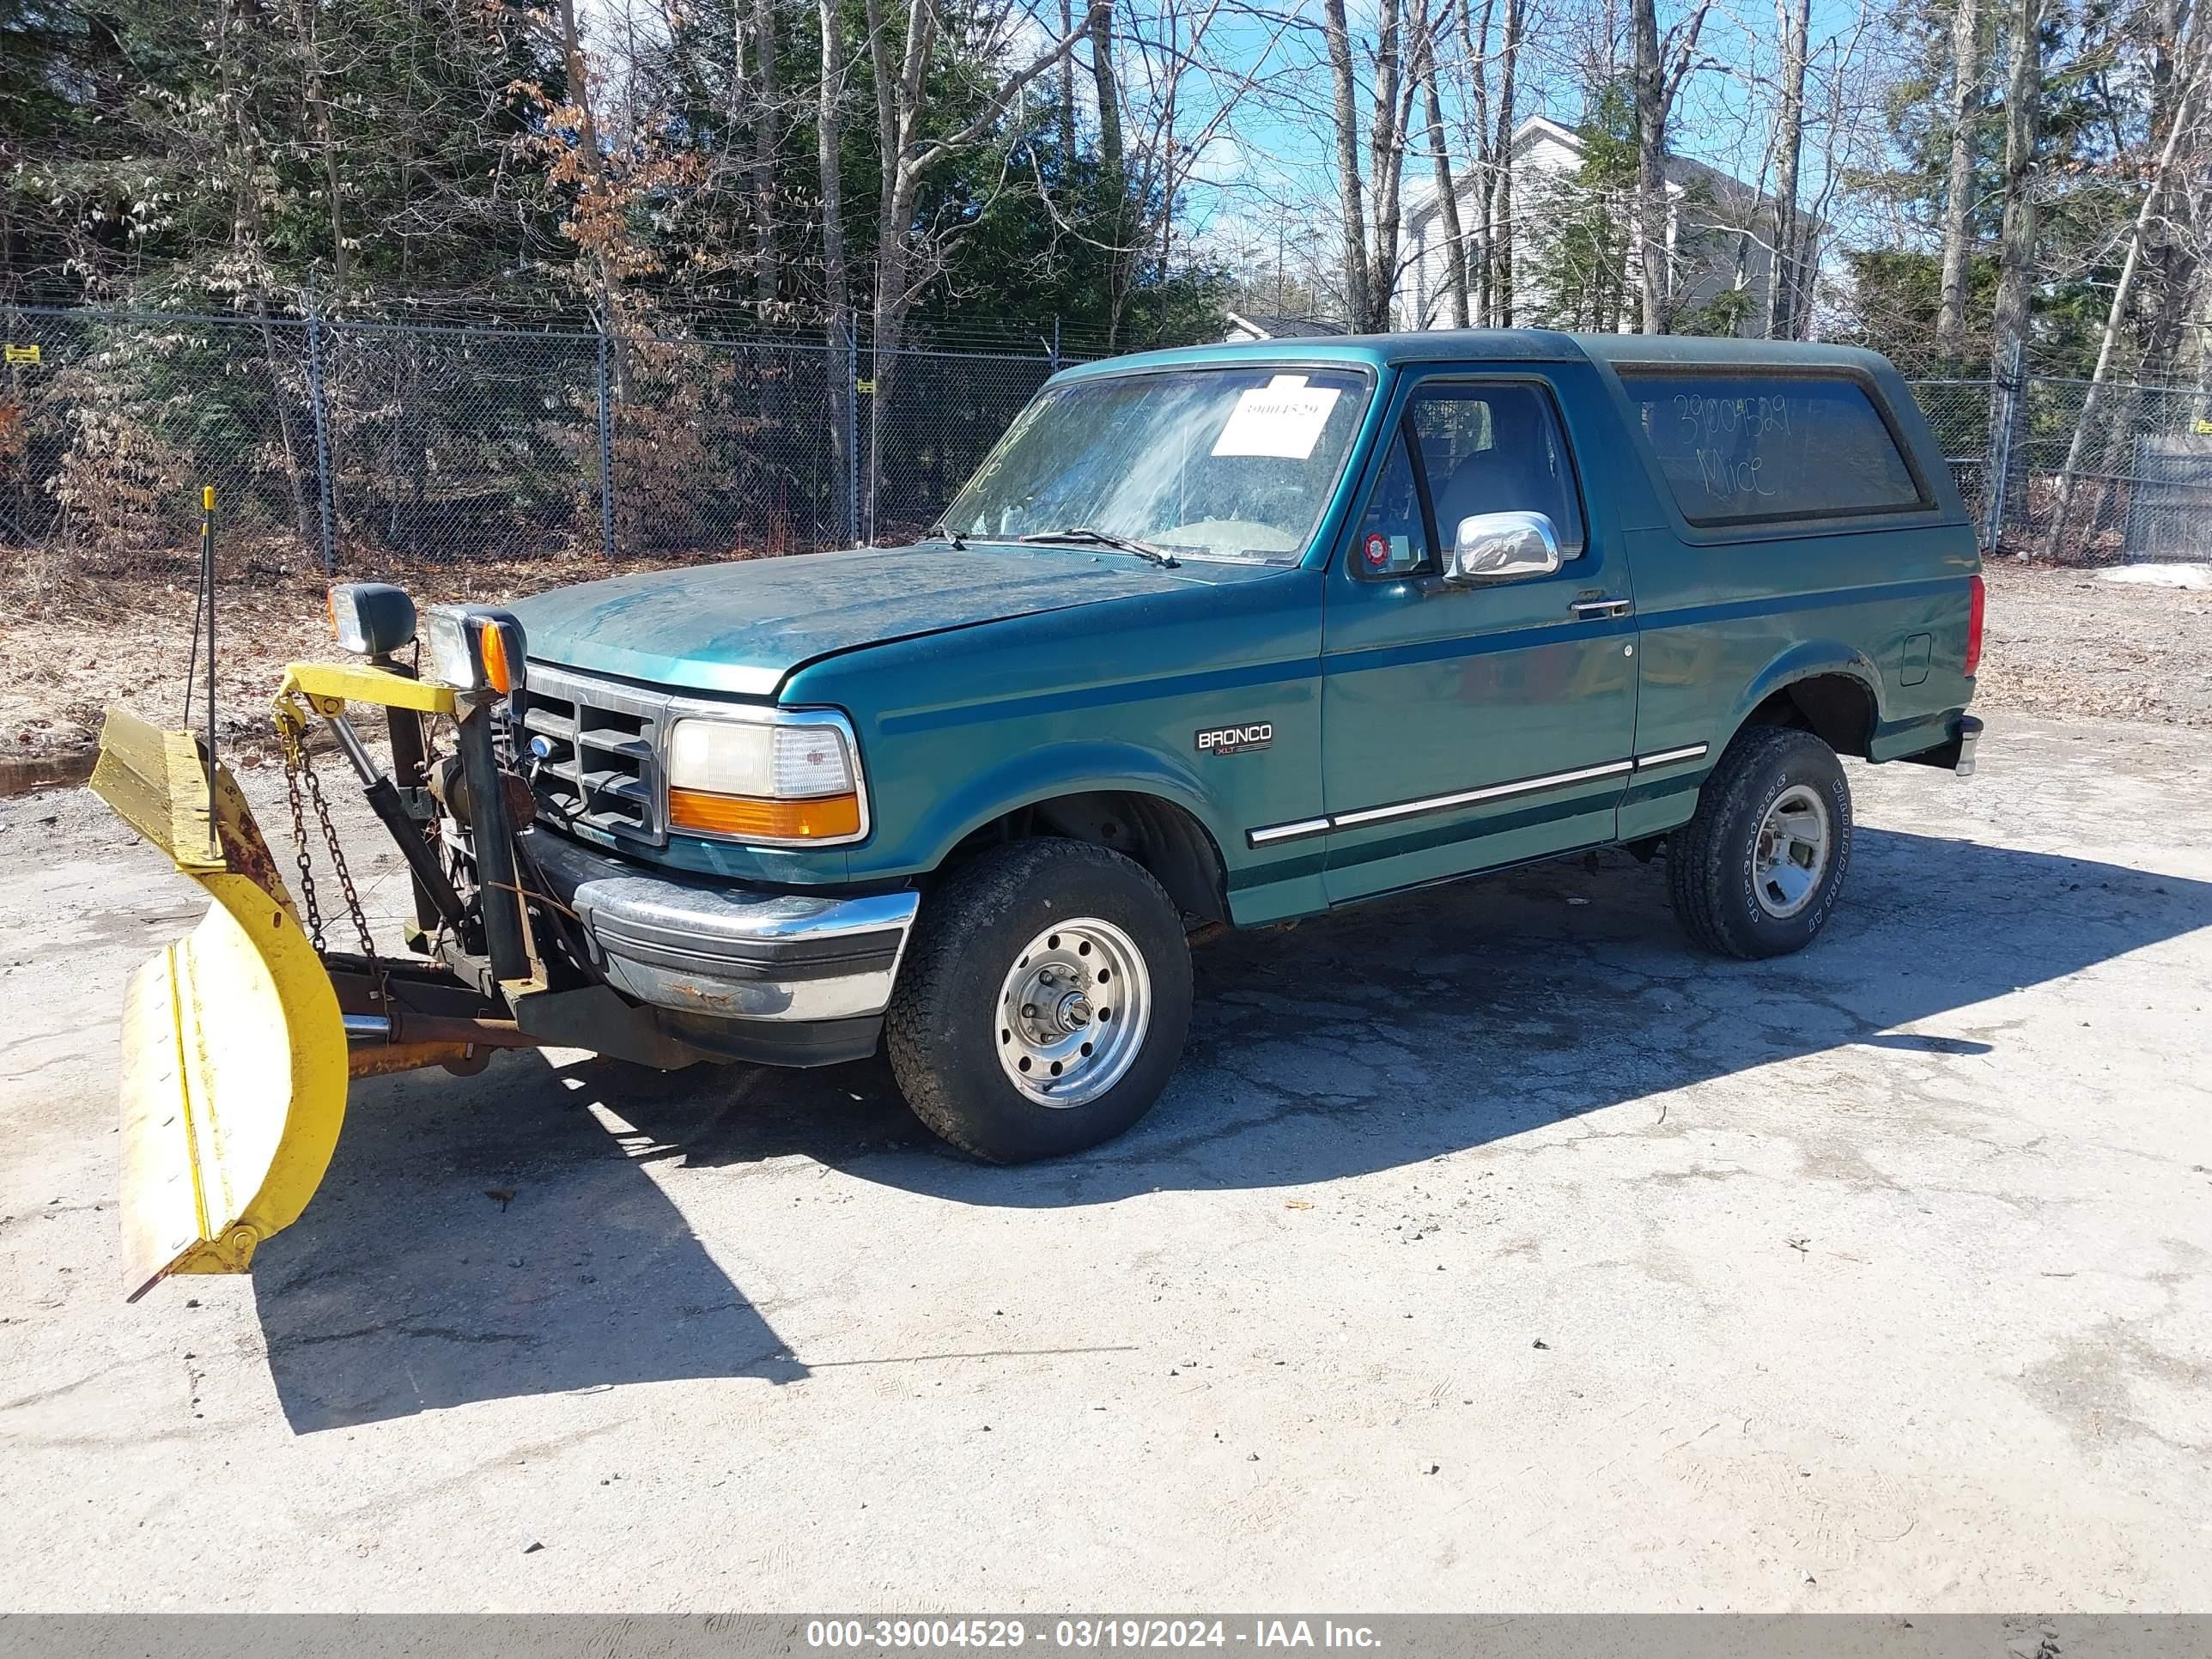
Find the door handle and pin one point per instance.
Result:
(1602, 607)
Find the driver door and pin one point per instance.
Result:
(1469, 727)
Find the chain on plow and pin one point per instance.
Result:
(303, 788)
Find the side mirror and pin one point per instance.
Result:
(1495, 546)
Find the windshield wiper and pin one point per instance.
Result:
(942, 532)
(1084, 534)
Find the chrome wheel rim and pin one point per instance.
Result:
(1791, 855)
(1072, 1012)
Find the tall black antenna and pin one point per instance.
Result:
(205, 609)
(207, 588)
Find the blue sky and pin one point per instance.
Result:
(1277, 151)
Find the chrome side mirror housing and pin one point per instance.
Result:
(1498, 546)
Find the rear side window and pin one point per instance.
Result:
(1747, 449)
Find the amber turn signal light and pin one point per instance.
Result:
(497, 674)
(746, 818)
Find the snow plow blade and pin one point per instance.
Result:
(235, 1057)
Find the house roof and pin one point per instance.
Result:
(1266, 325)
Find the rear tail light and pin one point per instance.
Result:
(1976, 604)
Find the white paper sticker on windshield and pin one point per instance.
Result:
(1283, 418)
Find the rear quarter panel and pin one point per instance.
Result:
(1726, 617)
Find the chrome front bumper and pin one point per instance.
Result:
(698, 947)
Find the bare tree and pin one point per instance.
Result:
(1189, 77)
(1386, 142)
(1370, 205)
(765, 138)
(1657, 69)
(1456, 284)
(1344, 87)
(246, 257)
(837, 281)
(1066, 89)
(2016, 248)
(902, 105)
(315, 77)
(1481, 151)
(2175, 254)
(1853, 133)
(586, 159)
(1106, 85)
(1793, 18)
(1959, 184)
(2154, 192)
(1497, 241)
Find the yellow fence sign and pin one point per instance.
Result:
(17, 353)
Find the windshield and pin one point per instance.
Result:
(1231, 464)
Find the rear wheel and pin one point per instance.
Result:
(1757, 872)
(1043, 1002)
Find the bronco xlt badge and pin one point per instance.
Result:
(1235, 739)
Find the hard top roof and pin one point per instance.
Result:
(1503, 345)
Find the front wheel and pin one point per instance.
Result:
(1043, 1002)
(1757, 872)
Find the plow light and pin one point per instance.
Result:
(374, 618)
(788, 781)
(477, 647)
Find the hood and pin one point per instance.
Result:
(742, 627)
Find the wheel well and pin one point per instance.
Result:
(1157, 833)
(1837, 708)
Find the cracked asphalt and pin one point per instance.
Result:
(1491, 1251)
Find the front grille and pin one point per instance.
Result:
(600, 765)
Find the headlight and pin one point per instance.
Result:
(474, 647)
(374, 618)
(787, 780)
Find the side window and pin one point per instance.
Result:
(1748, 448)
(1462, 450)
(1497, 449)
(1394, 540)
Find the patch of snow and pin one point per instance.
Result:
(2160, 575)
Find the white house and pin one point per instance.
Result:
(1706, 209)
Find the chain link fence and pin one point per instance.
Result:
(2110, 470)
(345, 446)
(351, 446)
(2074, 472)
(1958, 412)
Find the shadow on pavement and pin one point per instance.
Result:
(1439, 1020)
(1381, 1036)
(483, 1237)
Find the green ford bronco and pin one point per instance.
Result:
(1236, 635)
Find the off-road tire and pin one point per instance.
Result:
(1711, 860)
(943, 1026)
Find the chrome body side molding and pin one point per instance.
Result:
(1282, 832)
(1671, 756)
(1274, 835)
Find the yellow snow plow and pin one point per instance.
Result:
(238, 1040)
(234, 1049)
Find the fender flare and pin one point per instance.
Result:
(1805, 660)
(1064, 768)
